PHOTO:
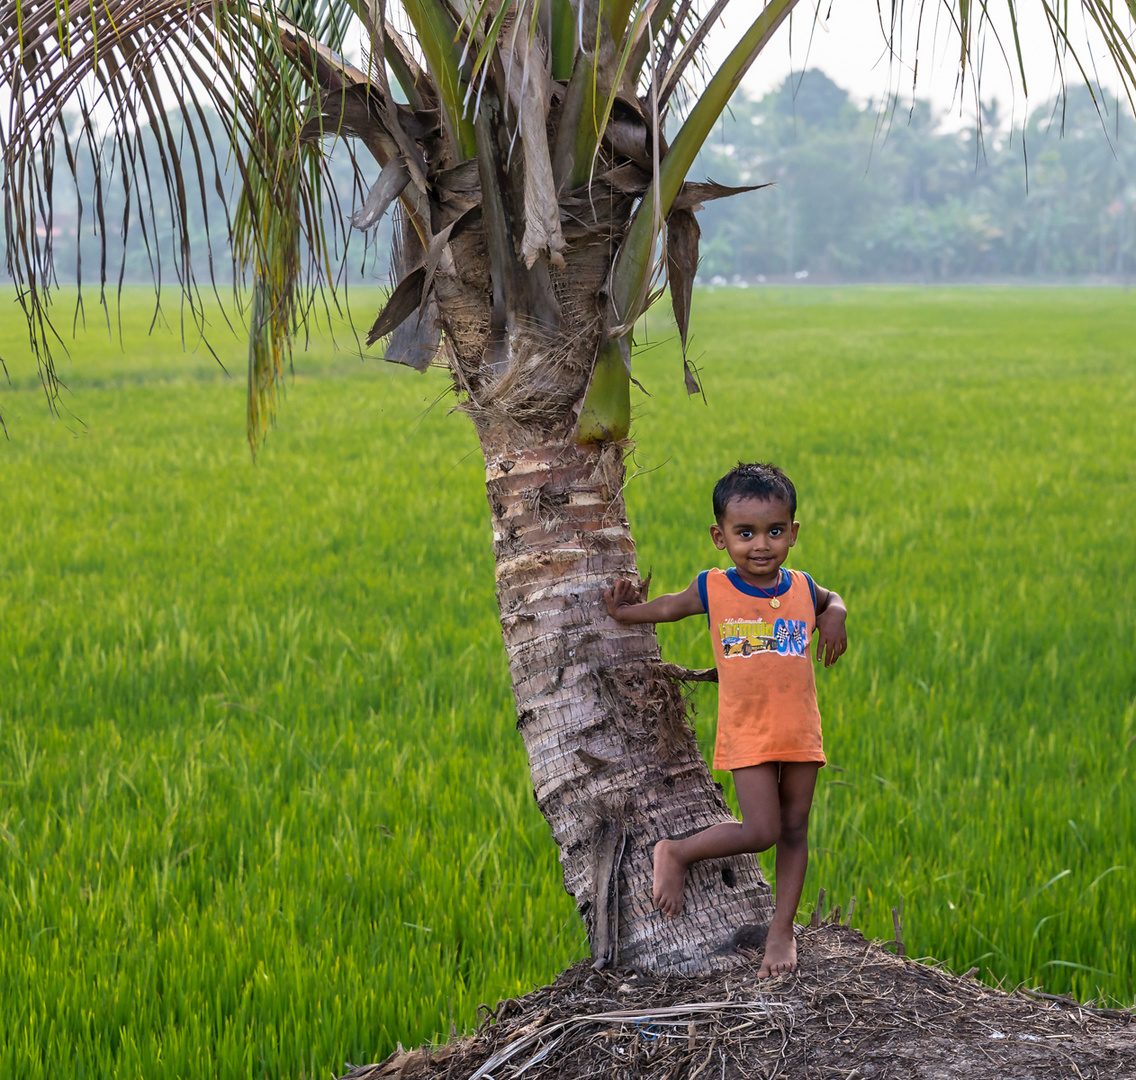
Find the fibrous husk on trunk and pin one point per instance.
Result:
(852, 1010)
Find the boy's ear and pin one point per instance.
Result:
(718, 537)
(793, 533)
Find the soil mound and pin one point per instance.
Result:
(852, 1011)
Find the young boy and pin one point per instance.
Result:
(761, 620)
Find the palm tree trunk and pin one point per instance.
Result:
(615, 765)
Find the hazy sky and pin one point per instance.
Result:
(846, 42)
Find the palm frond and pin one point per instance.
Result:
(527, 78)
(438, 34)
(659, 14)
(279, 179)
(123, 92)
(577, 135)
(691, 46)
(634, 270)
(562, 39)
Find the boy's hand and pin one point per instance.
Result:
(625, 603)
(622, 596)
(832, 637)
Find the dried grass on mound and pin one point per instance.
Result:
(852, 1011)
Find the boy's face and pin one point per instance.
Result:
(757, 534)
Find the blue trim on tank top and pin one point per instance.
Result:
(784, 584)
(812, 589)
(703, 595)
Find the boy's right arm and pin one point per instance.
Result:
(623, 604)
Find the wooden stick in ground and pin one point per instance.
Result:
(818, 911)
(897, 922)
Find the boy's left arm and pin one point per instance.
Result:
(832, 637)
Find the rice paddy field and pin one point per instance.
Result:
(263, 810)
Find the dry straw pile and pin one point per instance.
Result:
(852, 1011)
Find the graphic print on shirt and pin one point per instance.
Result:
(746, 637)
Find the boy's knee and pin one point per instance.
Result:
(761, 837)
(794, 832)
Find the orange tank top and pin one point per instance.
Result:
(767, 706)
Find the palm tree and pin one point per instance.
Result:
(538, 209)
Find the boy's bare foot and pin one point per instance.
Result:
(780, 954)
(669, 876)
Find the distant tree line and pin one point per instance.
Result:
(856, 193)
(871, 193)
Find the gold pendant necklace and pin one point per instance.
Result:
(773, 601)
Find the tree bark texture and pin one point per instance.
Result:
(615, 764)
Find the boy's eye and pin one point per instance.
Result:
(774, 531)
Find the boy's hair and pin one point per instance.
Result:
(754, 480)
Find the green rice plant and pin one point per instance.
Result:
(262, 806)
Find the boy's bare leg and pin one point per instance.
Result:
(798, 779)
(758, 830)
